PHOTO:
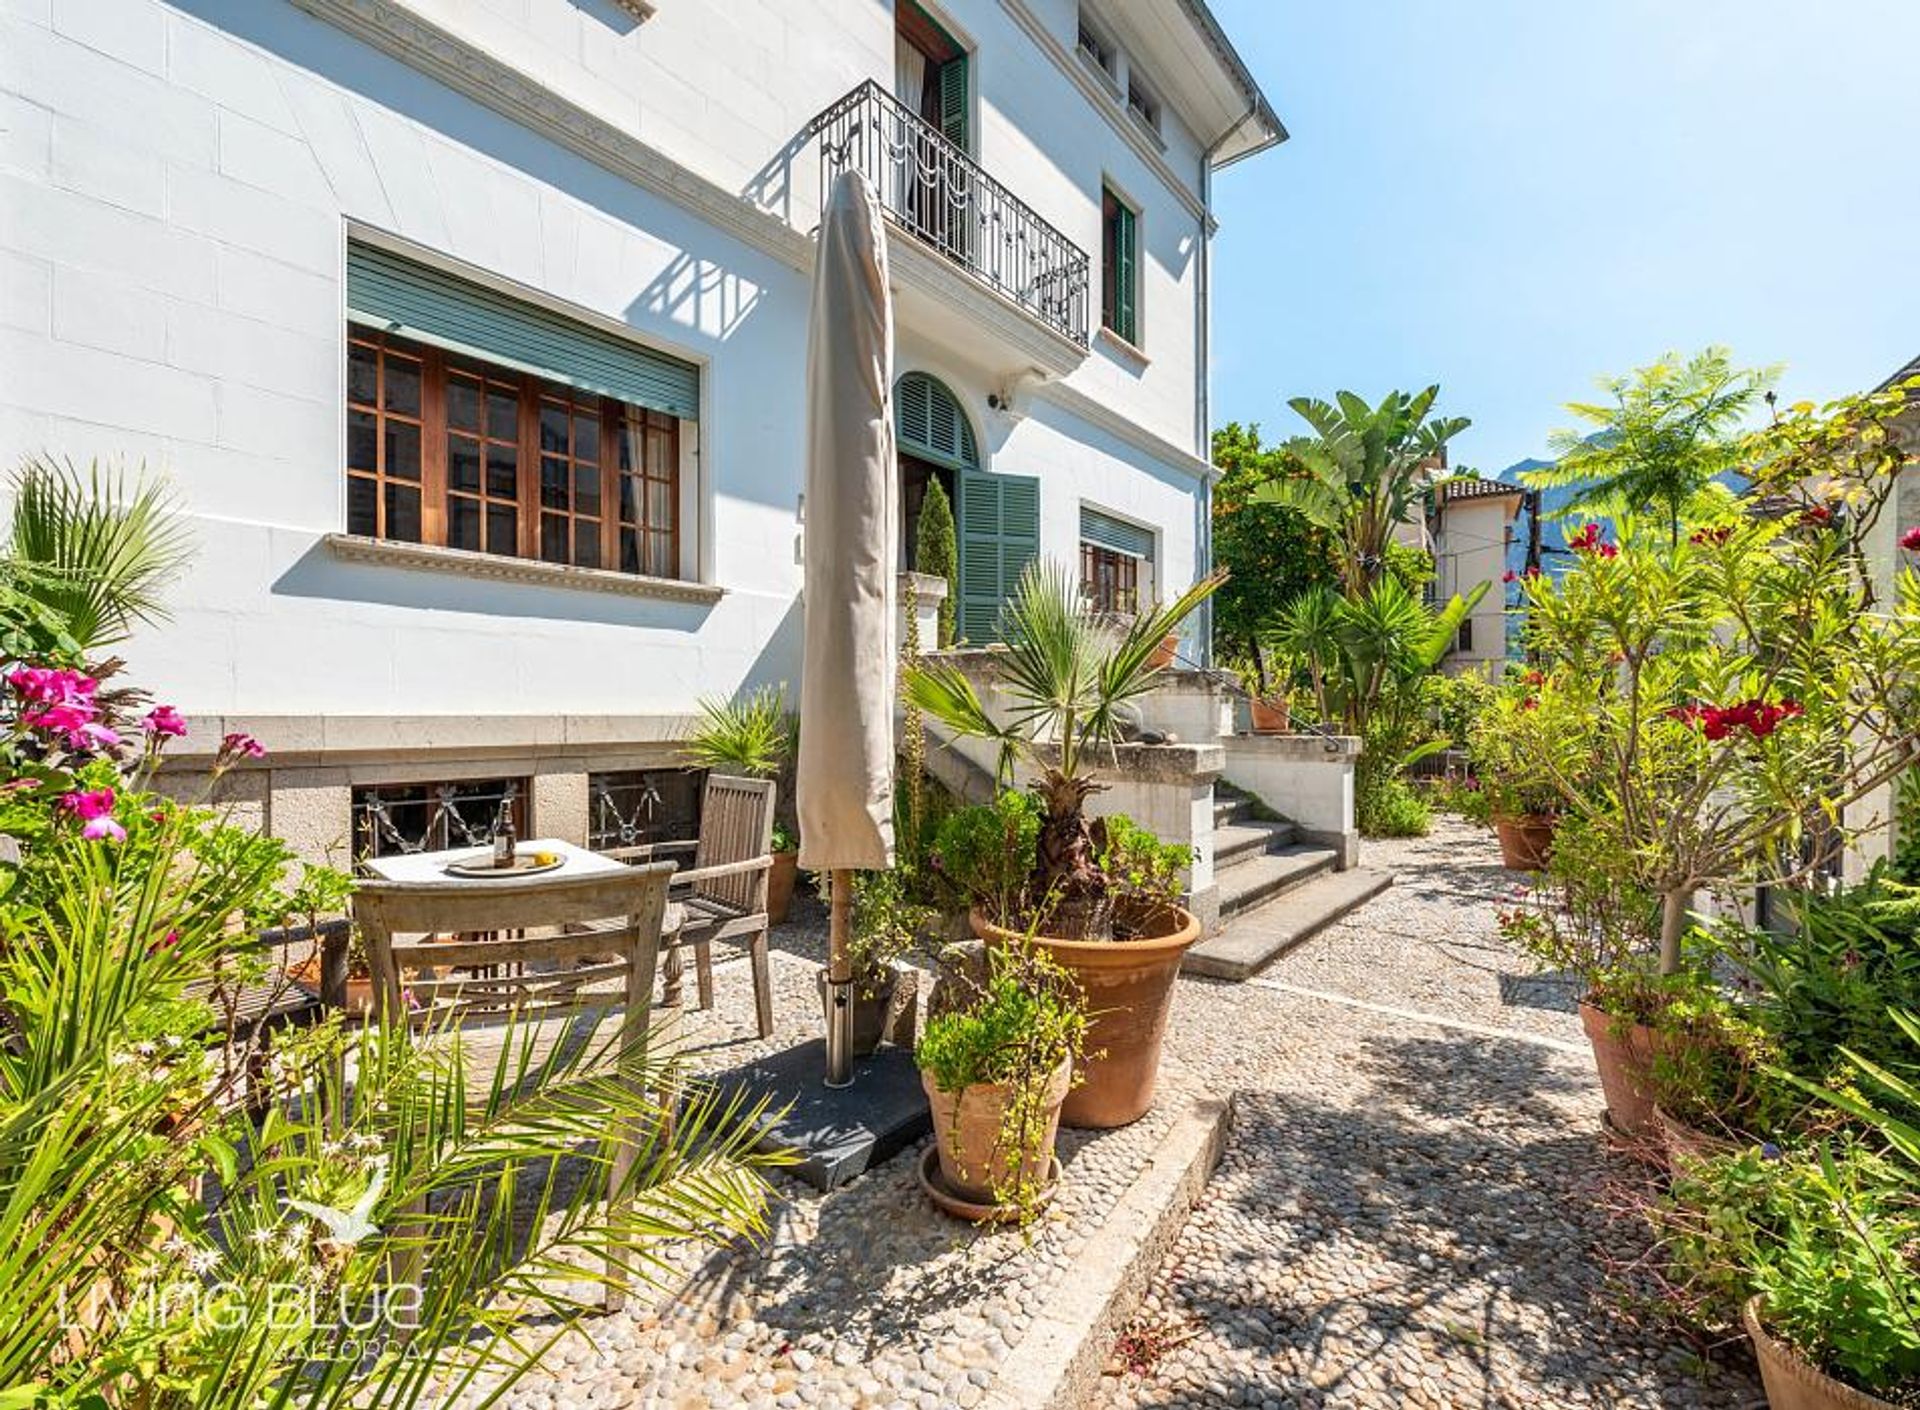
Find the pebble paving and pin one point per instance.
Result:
(1404, 1215)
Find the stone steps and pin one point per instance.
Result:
(1255, 880)
(1238, 841)
(1254, 941)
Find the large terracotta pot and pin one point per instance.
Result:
(1166, 653)
(1795, 1383)
(1270, 718)
(966, 1130)
(1526, 843)
(780, 879)
(1623, 1053)
(1128, 986)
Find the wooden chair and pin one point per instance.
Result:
(724, 894)
(545, 971)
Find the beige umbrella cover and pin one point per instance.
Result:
(845, 792)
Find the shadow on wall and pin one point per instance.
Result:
(778, 661)
(318, 574)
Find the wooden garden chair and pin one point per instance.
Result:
(569, 935)
(724, 893)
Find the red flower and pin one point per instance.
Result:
(1588, 541)
(1510, 575)
(1707, 537)
(1533, 678)
(1818, 517)
(1910, 540)
(1529, 704)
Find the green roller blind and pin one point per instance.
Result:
(404, 296)
(1116, 534)
(953, 102)
(928, 423)
(999, 527)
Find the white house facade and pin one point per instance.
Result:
(471, 334)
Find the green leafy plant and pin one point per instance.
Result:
(1713, 1061)
(1068, 677)
(1362, 472)
(1666, 435)
(99, 547)
(1014, 1031)
(1388, 806)
(887, 922)
(751, 735)
(937, 552)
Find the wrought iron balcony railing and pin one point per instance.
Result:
(928, 186)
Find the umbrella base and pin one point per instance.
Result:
(838, 1133)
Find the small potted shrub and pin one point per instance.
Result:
(1067, 678)
(1712, 1088)
(1522, 800)
(1814, 1252)
(997, 1065)
(753, 736)
(887, 925)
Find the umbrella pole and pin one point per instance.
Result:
(839, 982)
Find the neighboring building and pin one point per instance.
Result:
(1471, 532)
(473, 336)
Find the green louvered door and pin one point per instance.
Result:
(999, 535)
(953, 103)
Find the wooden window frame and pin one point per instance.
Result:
(634, 443)
(1109, 579)
(1119, 317)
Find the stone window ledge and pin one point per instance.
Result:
(386, 553)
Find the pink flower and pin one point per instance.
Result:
(164, 720)
(1509, 576)
(240, 745)
(43, 685)
(165, 942)
(95, 810)
(1910, 540)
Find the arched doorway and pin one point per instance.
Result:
(997, 516)
(935, 444)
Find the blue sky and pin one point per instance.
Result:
(1511, 197)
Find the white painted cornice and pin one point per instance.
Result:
(1070, 398)
(395, 29)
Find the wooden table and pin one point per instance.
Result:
(576, 861)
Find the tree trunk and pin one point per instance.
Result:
(1066, 870)
(1675, 907)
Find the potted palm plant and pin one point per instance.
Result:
(997, 1065)
(1067, 676)
(753, 735)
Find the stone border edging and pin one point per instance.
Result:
(1060, 1360)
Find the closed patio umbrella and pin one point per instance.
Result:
(845, 779)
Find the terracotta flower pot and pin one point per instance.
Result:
(966, 1130)
(1689, 1145)
(780, 878)
(1270, 718)
(873, 999)
(1795, 1383)
(1526, 843)
(1128, 986)
(1165, 654)
(1624, 1056)
(359, 986)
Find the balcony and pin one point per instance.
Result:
(936, 192)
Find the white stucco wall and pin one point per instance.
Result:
(176, 187)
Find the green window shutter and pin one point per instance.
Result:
(388, 291)
(953, 103)
(1125, 276)
(999, 530)
(929, 424)
(1103, 529)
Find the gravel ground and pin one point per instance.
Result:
(1406, 1211)
(1404, 1215)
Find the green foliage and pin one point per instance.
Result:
(1271, 553)
(937, 552)
(1657, 445)
(1587, 918)
(1713, 1061)
(97, 549)
(887, 920)
(1526, 745)
(751, 735)
(1825, 1237)
(1138, 864)
(1455, 703)
(1067, 682)
(985, 852)
(1016, 1032)
(1386, 805)
(1362, 472)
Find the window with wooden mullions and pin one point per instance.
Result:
(1109, 580)
(447, 450)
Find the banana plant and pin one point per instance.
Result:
(1362, 471)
